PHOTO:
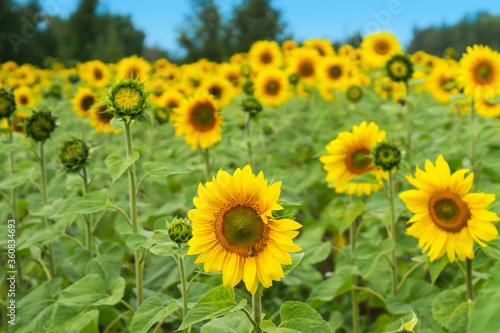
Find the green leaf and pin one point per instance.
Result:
(353, 210)
(235, 322)
(484, 314)
(88, 204)
(297, 317)
(150, 312)
(450, 310)
(15, 146)
(106, 266)
(85, 322)
(395, 305)
(117, 165)
(318, 253)
(327, 290)
(408, 326)
(136, 241)
(16, 179)
(216, 303)
(436, 267)
(158, 169)
(296, 259)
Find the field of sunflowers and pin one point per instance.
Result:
(294, 188)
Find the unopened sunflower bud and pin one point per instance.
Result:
(294, 79)
(40, 125)
(354, 94)
(7, 103)
(252, 105)
(162, 115)
(399, 68)
(73, 78)
(73, 154)
(180, 230)
(127, 98)
(248, 87)
(246, 70)
(387, 156)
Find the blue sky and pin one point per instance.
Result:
(332, 19)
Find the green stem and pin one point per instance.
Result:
(472, 142)
(88, 217)
(248, 137)
(354, 296)
(45, 198)
(394, 259)
(468, 280)
(409, 120)
(183, 285)
(133, 213)
(206, 157)
(257, 310)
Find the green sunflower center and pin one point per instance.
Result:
(128, 98)
(484, 73)
(354, 93)
(335, 72)
(398, 69)
(203, 117)
(448, 211)
(242, 227)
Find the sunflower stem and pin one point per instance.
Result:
(354, 295)
(88, 217)
(472, 142)
(183, 285)
(468, 280)
(394, 259)
(248, 137)
(206, 157)
(257, 310)
(133, 213)
(409, 121)
(43, 176)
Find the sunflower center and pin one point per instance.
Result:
(335, 72)
(320, 51)
(97, 73)
(359, 161)
(266, 58)
(241, 230)
(382, 47)
(306, 69)
(87, 102)
(448, 211)
(105, 117)
(172, 104)
(203, 117)
(23, 100)
(398, 69)
(215, 91)
(484, 73)
(272, 88)
(133, 73)
(128, 98)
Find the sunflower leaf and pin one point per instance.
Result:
(158, 169)
(90, 203)
(150, 312)
(297, 317)
(436, 267)
(117, 165)
(451, 311)
(296, 259)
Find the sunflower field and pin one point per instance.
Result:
(294, 188)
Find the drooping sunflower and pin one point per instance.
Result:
(479, 72)
(378, 49)
(96, 73)
(24, 97)
(305, 62)
(272, 87)
(447, 217)
(265, 54)
(349, 157)
(84, 100)
(221, 89)
(236, 233)
(486, 108)
(101, 120)
(198, 119)
(323, 46)
(133, 68)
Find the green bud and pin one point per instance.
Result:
(127, 98)
(180, 230)
(162, 115)
(40, 125)
(7, 103)
(73, 78)
(248, 87)
(354, 94)
(399, 68)
(73, 154)
(294, 79)
(246, 70)
(55, 91)
(252, 105)
(386, 156)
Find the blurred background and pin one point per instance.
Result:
(68, 31)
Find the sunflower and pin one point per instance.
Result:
(84, 100)
(447, 217)
(288, 46)
(399, 68)
(170, 74)
(24, 97)
(486, 108)
(231, 73)
(9, 67)
(323, 46)
(221, 89)
(170, 100)
(346, 50)
(265, 54)
(386, 88)
(198, 119)
(349, 157)
(134, 68)
(157, 87)
(18, 121)
(442, 83)
(101, 120)
(96, 73)
(236, 233)
(305, 62)
(272, 87)
(480, 72)
(334, 72)
(378, 49)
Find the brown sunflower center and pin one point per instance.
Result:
(484, 73)
(203, 117)
(23, 100)
(359, 161)
(266, 58)
(215, 91)
(448, 211)
(272, 88)
(240, 230)
(306, 69)
(172, 104)
(97, 74)
(382, 47)
(133, 73)
(87, 102)
(335, 72)
(320, 50)
(104, 117)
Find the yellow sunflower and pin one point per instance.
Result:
(198, 119)
(447, 217)
(265, 54)
(134, 68)
(349, 157)
(24, 97)
(272, 88)
(386, 88)
(305, 62)
(480, 72)
(101, 120)
(334, 72)
(486, 108)
(288, 46)
(84, 100)
(346, 50)
(442, 83)
(236, 233)
(378, 49)
(96, 73)
(323, 46)
(221, 89)
(231, 73)
(170, 100)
